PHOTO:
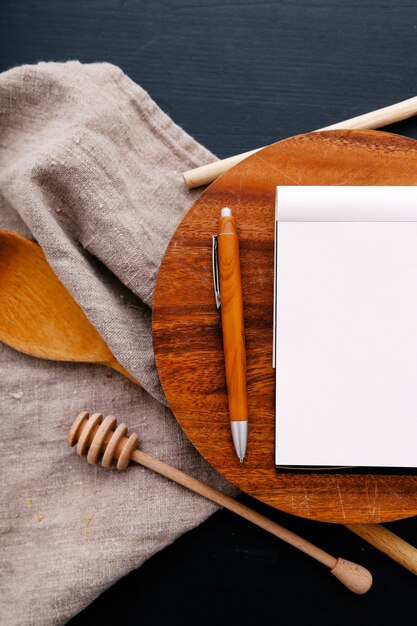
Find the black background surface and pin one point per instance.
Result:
(238, 75)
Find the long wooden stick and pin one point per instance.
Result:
(389, 543)
(375, 119)
(97, 437)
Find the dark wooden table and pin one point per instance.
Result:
(238, 75)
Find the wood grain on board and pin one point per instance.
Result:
(187, 326)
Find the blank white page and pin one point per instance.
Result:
(346, 353)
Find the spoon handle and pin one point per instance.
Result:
(115, 365)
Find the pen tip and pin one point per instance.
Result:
(241, 459)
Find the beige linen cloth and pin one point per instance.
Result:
(90, 168)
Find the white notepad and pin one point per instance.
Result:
(346, 326)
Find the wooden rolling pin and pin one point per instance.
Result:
(375, 119)
(98, 437)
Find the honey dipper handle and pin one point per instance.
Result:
(236, 507)
(353, 576)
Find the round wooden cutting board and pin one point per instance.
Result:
(187, 326)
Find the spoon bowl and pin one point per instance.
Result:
(38, 316)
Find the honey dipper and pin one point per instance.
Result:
(97, 437)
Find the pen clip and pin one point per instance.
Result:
(215, 264)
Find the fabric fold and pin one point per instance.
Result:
(93, 167)
(90, 168)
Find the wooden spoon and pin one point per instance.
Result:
(38, 315)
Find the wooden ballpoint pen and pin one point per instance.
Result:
(228, 290)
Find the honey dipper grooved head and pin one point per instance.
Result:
(95, 436)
